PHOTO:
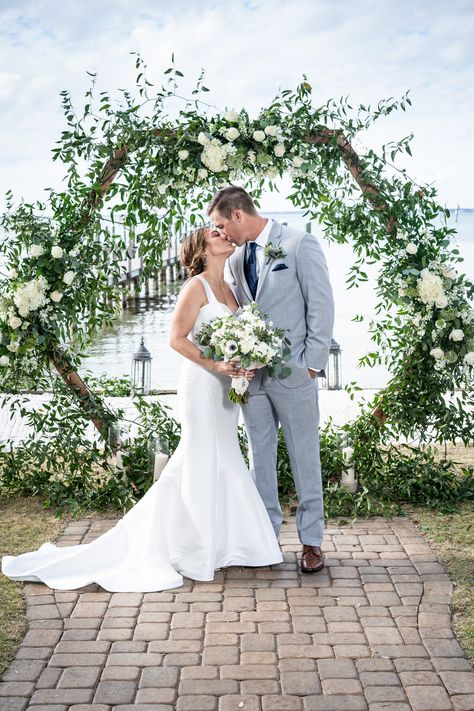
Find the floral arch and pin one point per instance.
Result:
(128, 161)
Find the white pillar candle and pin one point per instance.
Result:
(348, 480)
(160, 463)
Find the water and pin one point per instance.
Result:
(112, 353)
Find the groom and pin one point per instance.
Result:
(284, 270)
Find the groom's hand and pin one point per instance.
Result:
(312, 373)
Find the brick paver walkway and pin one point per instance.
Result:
(372, 631)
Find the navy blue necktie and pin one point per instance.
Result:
(250, 268)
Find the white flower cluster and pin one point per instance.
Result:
(214, 154)
(431, 289)
(30, 296)
(248, 338)
(21, 299)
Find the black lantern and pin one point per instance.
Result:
(141, 370)
(334, 374)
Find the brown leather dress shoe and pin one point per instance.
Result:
(312, 559)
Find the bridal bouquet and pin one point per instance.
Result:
(249, 339)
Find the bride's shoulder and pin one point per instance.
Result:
(192, 290)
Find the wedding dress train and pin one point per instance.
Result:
(203, 513)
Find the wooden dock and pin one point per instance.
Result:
(131, 282)
(171, 270)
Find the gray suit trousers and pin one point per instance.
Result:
(297, 410)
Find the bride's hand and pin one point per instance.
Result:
(232, 369)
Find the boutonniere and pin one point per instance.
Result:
(273, 251)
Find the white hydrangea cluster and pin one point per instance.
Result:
(431, 289)
(21, 299)
(214, 154)
(30, 295)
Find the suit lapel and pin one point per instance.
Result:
(274, 239)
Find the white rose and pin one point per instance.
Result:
(56, 296)
(4, 360)
(203, 139)
(411, 248)
(36, 250)
(298, 161)
(456, 334)
(271, 173)
(56, 252)
(271, 130)
(279, 150)
(14, 322)
(74, 252)
(232, 133)
(202, 173)
(182, 155)
(442, 301)
(437, 353)
(68, 278)
(469, 358)
(231, 116)
(13, 346)
(258, 136)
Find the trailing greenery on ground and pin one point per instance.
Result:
(59, 463)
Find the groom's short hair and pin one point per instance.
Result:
(229, 199)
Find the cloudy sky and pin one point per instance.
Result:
(364, 49)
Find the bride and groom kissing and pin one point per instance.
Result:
(208, 510)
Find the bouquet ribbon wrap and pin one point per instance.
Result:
(239, 386)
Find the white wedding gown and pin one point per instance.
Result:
(203, 513)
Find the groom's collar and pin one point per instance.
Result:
(262, 238)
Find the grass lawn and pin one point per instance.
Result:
(24, 526)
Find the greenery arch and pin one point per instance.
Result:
(154, 174)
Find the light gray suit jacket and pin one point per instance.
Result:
(297, 298)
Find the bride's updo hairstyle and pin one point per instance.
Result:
(192, 252)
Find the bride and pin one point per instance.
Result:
(204, 512)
